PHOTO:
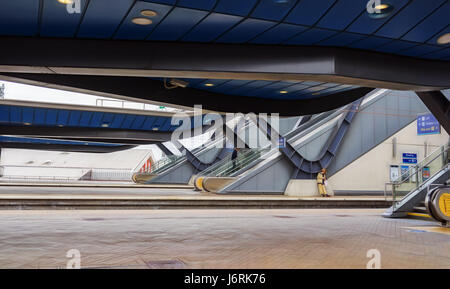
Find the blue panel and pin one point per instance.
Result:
(85, 119)
(177, 23)
(117, 121)
(430, 26)
(4, 114)
(56, 21)
(166, 125)
(395, 46)
(307, 12)
(443, 54)
(371, 42)
(27, 114)
(107, 119)
(236, 7)
(199, 4)
(158, 123)
(170, 2)
(367, 25)
(246, 30)
(211, 27)
(310, 37)
(279, 34)
(272, 10)
(96, 120)
(433, 40)
(128, 121)
(129, 30)
(19, 17)
(148, 122)
(408, 17)
(342, 39)
(269, 89)
(74, 119)
(39, 116)
(138, 121)
(63, 117)
(51, 117)
(16, 115)
(341, 15)
(420, 50)
(230, 85)
(102, 19)
(250, 86)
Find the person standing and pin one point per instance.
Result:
(321, 183)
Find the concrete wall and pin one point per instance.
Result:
(370, 172)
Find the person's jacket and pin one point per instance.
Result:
(321, 178)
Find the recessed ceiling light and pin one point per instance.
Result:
(148, 13)
(444, 39)
(209, 84)
(141, 21)
(105, 124)
(60, 125)
(382, 11)
(283, 91)
(27, 123)
(382, 6)
(155, 128)
(65, 1)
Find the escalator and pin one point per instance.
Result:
(423, 191)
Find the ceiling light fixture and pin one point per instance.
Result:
(209, 84)
(283, 91)
(381, 11)
(141, 21)
(444, 39)
(148, 13)
(65, 1)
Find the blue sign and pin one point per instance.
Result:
(427, 124)
(409, 158)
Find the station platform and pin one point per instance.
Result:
(240, 239)
(64, 197)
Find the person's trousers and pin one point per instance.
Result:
(322, 189)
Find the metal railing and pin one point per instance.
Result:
(418, 174)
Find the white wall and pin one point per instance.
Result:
(37, 163)
(370, 172)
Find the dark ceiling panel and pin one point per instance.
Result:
(430, 26)
(177, 23)
(211, 27)
(246, 30)
(273, 10)
(19, 17)
(406, 19)
(102, 19)
(56, 22)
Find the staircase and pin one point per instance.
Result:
(418, 185)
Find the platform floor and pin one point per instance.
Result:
(301, 238)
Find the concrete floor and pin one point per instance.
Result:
(304, 238)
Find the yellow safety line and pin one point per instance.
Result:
(419, 215)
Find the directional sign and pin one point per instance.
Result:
(409, 158)
(427, 124)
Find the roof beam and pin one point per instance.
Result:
(222, 61)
